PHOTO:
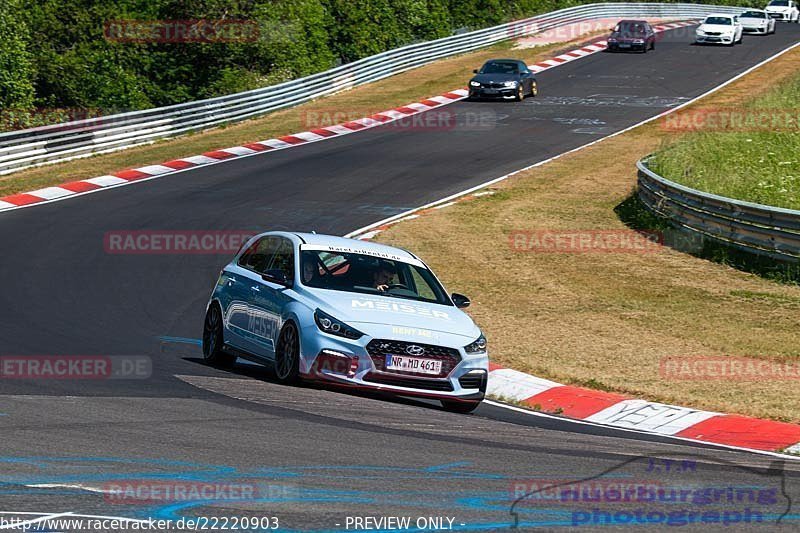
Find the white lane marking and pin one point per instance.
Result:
(650, 416)
(239, 150)
(51, 193)
(370, 234)
(70, 486)
(105, 181)
(448, 204)
(518, 386)
(199, 160)
(679, 441)
(275, 143)
(155, 170)
(308, 136)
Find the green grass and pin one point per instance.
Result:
(742, 160)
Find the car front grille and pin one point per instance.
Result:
(411, 383)
(714, 33)
(493, 86)
(378, 349)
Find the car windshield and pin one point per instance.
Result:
(779, 3)
(354, 272)
(754, 15)
(500, 67)
(719, 21)
(630, 29)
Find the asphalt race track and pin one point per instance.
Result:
(317, 457)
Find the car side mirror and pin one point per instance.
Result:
(276, 275)
(474, 71)
(460, 300)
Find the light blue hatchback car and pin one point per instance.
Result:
(349, 312)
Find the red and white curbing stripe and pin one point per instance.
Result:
(651, 417)
(126, 177)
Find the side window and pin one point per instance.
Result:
(257, 257)
(283, 259)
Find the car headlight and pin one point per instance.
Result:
(327, 324)
(700, 32)
(612, 40)
(509, 84)
(474, 84)
(479, 346)
(638, 41)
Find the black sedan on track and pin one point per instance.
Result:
(503, 78)
(632, 35)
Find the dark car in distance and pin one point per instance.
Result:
(503, 78)
(632, 35)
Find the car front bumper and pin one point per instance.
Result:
(780, 15)
(625, 45)
(485, 92)
(353, 367)
(755, 29)
(714, 39)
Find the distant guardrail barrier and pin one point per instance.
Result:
(61, 142)
(760, 229)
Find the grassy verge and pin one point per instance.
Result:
(608, 320)
(430, 80)
(749, 152)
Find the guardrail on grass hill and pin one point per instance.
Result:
(760, 229)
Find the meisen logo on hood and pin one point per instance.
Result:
(393, 307)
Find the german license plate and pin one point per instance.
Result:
(490, 91)
(624, 45)
(413, 364)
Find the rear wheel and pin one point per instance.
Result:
(463, 407)
(534, 89)
(214, 340)
(287, 355)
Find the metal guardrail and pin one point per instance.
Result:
(61, 142)
(760, 229)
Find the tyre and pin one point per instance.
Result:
(653, 45)
(214, 339)
(287, 355)
(644, 49)
(534, 89)
(520, 96)
(463, 407)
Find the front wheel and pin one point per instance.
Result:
(214, 339)
(520, 95)
(463, 407)
(287, 355)
(534, 89)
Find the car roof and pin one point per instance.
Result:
(369, 246)
(502, 60)
(726, 15)
(632, 21)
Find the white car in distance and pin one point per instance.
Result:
(784, 10)
(757, 21)
(719, 28)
